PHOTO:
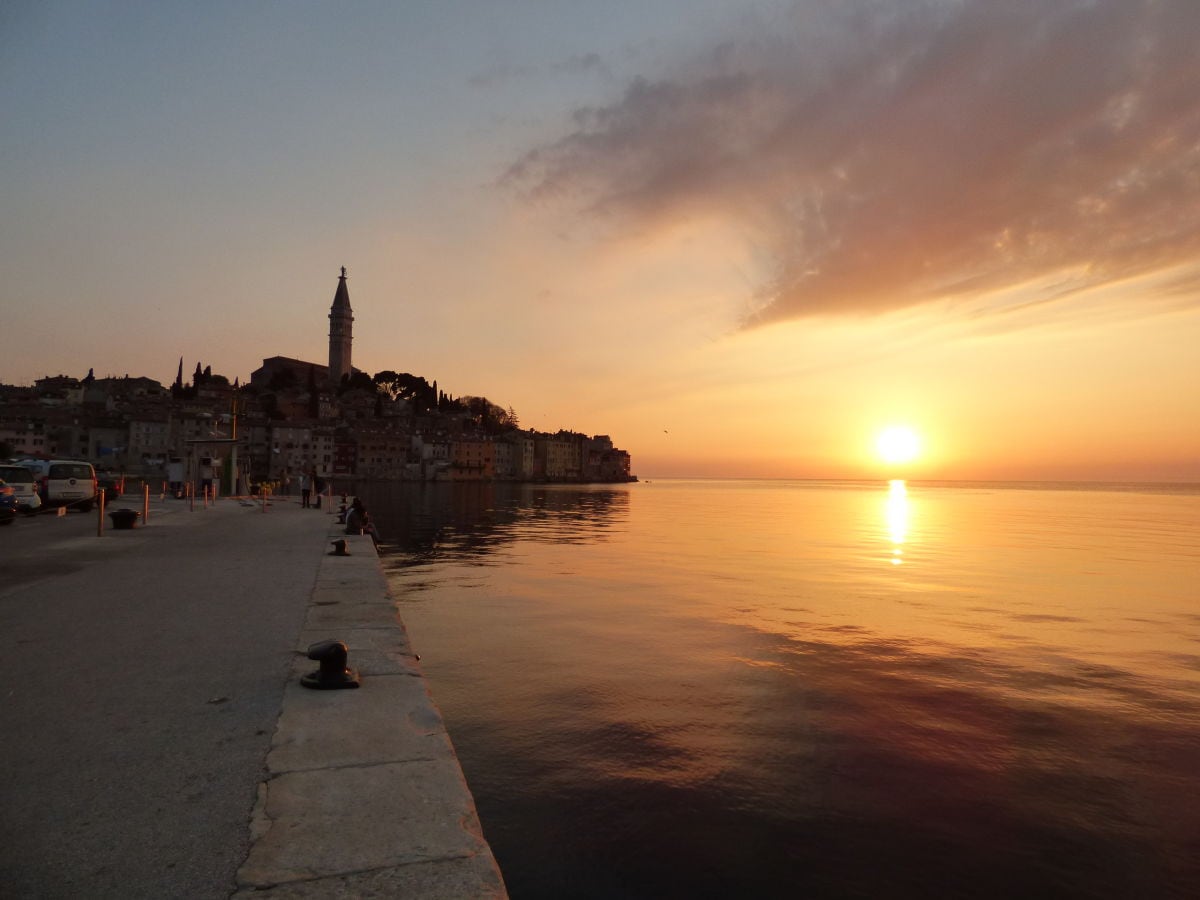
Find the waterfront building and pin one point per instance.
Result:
(291, 450)
(382, 452)
(432, 451)
(472, 459)
(563, 454)
(604, 462)
(254, 446)
(107, 442)
(525, 457)
(59, 390)
(149, 436)
(66, 435)
(504, 449)
(345, 453)
(322, 448)
(25, 438)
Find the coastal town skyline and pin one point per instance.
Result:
(292, 417)
(745, 241)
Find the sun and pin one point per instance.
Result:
(897, 444)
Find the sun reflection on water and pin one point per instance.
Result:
(897, 514)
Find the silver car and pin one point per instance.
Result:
(24, 486)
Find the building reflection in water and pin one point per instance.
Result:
(898, 513)
(420, 521)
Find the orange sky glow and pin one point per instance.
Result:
(741, 241)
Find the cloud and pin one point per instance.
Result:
(500, 74)
(882, 154)
(582, 64)
(586, 63)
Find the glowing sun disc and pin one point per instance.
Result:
(898, 445)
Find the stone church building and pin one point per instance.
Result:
(341, 336)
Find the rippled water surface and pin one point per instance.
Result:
(787, 689)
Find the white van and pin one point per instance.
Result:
(64, 482)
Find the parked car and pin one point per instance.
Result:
(24, 486)
(111, 484)
(64, 482)
(8, 503)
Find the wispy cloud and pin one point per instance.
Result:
(886, 152)
(500, 74)
(581, 64)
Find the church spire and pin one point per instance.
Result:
(341, 321)
(341, 297)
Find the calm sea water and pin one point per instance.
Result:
(798, 689)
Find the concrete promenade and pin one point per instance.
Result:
(156, 741)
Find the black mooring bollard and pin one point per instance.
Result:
(340, 548)
(333, 674)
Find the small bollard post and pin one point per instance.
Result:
(334, 674)
(100, 517)
(145, 503)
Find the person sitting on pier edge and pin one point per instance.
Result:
(358, 521)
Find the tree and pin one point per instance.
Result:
(489, 416)
(360, 381)
(389, 382)
(404, 386)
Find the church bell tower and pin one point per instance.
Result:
(341, 321)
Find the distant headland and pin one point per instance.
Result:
(296, 417)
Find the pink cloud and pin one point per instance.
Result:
(884, 154)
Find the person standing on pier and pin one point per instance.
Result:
(305, 491)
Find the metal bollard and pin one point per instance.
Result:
(334, 674)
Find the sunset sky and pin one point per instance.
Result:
(742, 238)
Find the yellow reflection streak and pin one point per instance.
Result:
(897, 518)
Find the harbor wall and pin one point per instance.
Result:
(363, 794)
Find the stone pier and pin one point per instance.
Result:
(157, 739)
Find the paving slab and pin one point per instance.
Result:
(445, 879)
(389, 719)
(342, 821)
